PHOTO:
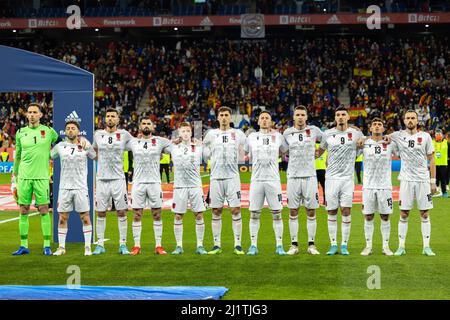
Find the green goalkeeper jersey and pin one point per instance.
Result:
(32, 157)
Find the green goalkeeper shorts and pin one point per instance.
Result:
(26, 188)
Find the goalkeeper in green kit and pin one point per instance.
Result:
(31, 173)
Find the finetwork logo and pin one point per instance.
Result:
(334, 20)
(73, 116)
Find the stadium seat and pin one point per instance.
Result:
(198, 10)
(89, 12)
(278, 9)
(437, 8)
(228, 10)
(176, 10)
(220, 11)
(306, 8)
(190, 10)
(244, 9)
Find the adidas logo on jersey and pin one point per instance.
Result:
(73, 116)
(334, 20)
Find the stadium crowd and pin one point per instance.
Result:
(190, 79)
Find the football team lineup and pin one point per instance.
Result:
(225, 147)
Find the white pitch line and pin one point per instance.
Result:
(17, 218)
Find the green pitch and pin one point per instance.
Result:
(266, 276)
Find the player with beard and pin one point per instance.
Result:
(416, 181)
(147, 182)
(110, 145)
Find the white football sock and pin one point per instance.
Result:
(237, 228)
(216, 228)
(332, 229)
(100, 229)
(123, 229)
(402, 231)
(346, 226)
(87, 231)
(368, 232)
(200, 231)
(426, 231)
(293, 228)
(278, 228)
(311, 226)
(137, 228)
(254, 228)
(385, 232)
(178, 231)
(158, 229)
(62, 234)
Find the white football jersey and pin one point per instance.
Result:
(186, 159)
(146, 158)
(264, 150)
(413, 151)
(225, 152)
(302, 150)
(377, 157)
(74, 169)
(111, 147)
(342, 153)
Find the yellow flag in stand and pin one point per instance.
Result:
(354, 112)
(362, 72)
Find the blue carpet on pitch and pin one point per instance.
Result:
(110, 293)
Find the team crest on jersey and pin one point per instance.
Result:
(273, 138)
(153, 142)
(233, 136)
(118, 136)
(79, 148)
(173, 205)
(42, 133)
(349, 135)
(419, 140)
(384, 146)
(193, 147)
(308, 133)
